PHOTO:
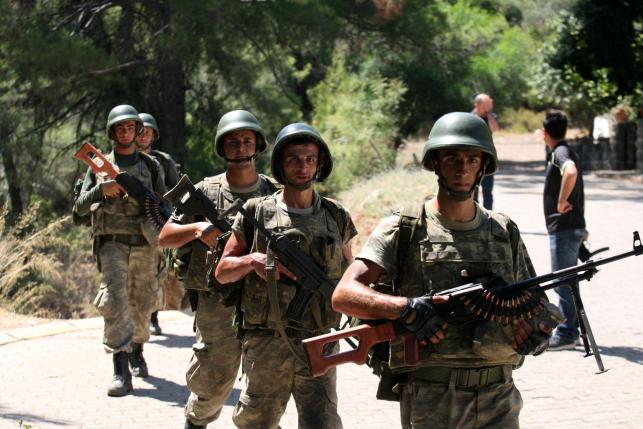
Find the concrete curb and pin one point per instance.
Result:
(73, 325)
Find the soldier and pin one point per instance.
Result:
(217, 351)
(273, 354)
(123, 245)
(465, 371)
(144, 142)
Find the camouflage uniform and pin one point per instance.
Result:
(217, 351)
(123, 244)
(273, 373)
(465, 380)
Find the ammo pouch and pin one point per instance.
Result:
(388, 387)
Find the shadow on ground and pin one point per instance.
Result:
(28, 419)
(164, 390)
(173, 341)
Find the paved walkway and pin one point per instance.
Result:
(59, 381)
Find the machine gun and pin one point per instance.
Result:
(156, 209)
(310, 278)
(498, 302)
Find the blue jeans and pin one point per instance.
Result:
(564, 247)
(487, 192)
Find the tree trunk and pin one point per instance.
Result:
(13, 181)
(172, 106)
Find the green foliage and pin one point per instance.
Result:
(357, 114)
(595, 60)
(521, 120)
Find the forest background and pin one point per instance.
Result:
(368, 74)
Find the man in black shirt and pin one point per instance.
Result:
(564, 204)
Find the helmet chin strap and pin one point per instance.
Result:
(240, 160)
(125, 145)
(301, 186)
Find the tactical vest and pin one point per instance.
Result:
(197, 254)
(166, 161)
(124, 215)
(320, 237)
(435, 261)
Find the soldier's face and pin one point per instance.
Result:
(300, 163)
(460, 167)
(145, 139)
(125, 132)
(240, 144)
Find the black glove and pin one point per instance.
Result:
(427, 322)
(535, 344)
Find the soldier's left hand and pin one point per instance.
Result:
(527, 341)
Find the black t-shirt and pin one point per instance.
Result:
(575, 218)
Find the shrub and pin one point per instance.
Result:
(46, 272)
(356, 113)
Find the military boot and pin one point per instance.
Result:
(155, 328)
(122, 383)
(190, 425)
(137, 361)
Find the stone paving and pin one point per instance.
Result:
(59, 380)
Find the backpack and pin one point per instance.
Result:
(410, 218)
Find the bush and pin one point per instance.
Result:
(521, 120)
(47, 272)
(356, 113)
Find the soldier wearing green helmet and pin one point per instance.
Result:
(274, 362)
(169, 171)
(217, 351)
(465, 370)
(124, 241)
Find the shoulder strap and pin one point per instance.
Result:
(410, 217)
(272, 183)
(334, 209)
(152, 165)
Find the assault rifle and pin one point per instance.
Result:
(310, 278)
(157, 210)
(470, 302)
(193, 202)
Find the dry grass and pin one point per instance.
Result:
(370, 200)
(43, 272)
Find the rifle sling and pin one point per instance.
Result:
(273, 299)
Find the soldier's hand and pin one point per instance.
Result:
(207, 233)
(420, 317)
(111, 189)
(259, 266)
(528, 341)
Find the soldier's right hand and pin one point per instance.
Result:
(258, 261)
(111, 189)
(420, 317)
(207, 233)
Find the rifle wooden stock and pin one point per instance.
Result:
(96, 160)
(367, 336)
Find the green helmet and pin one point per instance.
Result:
(150, 122)
(461, 130)
(301, 129)
(239, 120)
(120, 113)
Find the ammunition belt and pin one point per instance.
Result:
(464, 378)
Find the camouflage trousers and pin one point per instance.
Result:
(215, 362)
(426, 405)
(272, 374)
(128, 294)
